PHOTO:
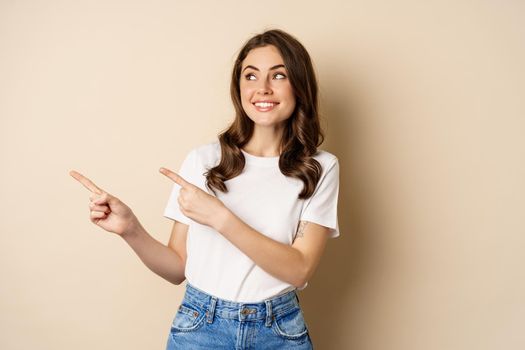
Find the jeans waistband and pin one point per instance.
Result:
(264, 310)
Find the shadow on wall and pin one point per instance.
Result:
(333, 291)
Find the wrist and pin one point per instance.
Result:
(134, 230)
(223, 217)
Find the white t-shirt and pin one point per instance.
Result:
(264, 199)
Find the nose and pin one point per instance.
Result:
(264, 87)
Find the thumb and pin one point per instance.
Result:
(106, 198)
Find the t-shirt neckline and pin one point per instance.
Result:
(265, 161)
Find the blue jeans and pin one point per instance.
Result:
(206, 322)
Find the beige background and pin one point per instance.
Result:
(423, 103)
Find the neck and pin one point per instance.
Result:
(265, 142)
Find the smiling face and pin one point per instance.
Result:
(267, 96)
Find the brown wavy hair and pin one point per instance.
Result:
(302, 131)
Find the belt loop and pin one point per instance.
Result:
(269, 313)
(211, 310)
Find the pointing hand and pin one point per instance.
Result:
(196, 203)
(107, 211)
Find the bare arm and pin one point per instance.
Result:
(294, 264)
(168, 262)
(113, 215)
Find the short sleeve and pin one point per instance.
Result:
(187, 171)
(321, 207)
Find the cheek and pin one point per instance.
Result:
(246, 96)
(287, 92)
(289, 96)
(291, 107)
(246, 90)
(292, 103)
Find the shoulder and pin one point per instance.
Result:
(326, 159)
(207, 154)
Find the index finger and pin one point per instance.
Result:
(86, 182)
(175, 177)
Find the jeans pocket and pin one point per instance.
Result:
(188, 318)
(291, 325)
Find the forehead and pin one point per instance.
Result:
(263, 57)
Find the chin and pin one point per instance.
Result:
(266, 122)
(265, 118)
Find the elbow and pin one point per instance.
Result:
(178, 281)
(302, 272)
(300, 278)
(300, 284)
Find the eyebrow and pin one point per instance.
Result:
(257, 69)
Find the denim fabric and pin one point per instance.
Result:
(206, 322)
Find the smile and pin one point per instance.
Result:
(265, 106)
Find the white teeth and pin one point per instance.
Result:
(264, 104)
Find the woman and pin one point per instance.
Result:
(252, 211)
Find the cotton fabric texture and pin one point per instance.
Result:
(266, 200)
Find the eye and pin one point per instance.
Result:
(249, 76)
(281, 75)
